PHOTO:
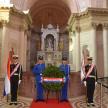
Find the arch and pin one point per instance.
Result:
(86, 48)
(60, 13)
(13, 43)
(60, 9)
(85, 44)
(74, 5)
(56, 7)
(71, 4)
(50, 41)
(51, 33)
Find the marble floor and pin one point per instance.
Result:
(78, 102)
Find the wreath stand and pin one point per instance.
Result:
(58, 93)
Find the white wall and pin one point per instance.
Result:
(14, 41)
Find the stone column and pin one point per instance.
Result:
(105, 48)
(70, 50)
(74, 49)
(93, 53)
(41, 43)
(4, 50)
(54, 45)
(21, 45)
(57, 43)
(44, 44)
(78, 61)
(25, 48)
(28, 47)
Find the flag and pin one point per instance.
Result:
(7, 78)
(83, 74)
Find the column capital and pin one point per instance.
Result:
(70, 35)
(94, 25)
(105, 25)
(78, 29)
(4, 22)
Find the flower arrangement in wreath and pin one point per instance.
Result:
(53, 78)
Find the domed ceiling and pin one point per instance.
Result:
(46, 11)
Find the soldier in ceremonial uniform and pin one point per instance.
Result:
(38, 72)
(16, 77)
(66, 68)
(90, 80)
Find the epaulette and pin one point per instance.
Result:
(69, 65)
(36, 63)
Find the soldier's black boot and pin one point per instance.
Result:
(42, 100)
(66, 100)
(37, 100)
(61, 100)
(88, 105)
(15, 103)
(92, 104)
(11, 103)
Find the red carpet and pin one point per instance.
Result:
(52, 103)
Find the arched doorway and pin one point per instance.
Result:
(44, 12)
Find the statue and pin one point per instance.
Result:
(49, 43)
(55, 58)
(27, 51)
(86, 54)
(61, 45)
(60, 58)
(49, 57)
(32, 64)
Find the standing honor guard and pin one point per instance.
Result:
(66, 68)
(91, 80)
(16, 77)
(38, 72)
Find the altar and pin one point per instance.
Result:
(51, 46)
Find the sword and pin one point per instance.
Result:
(69, 82)
(68, 77)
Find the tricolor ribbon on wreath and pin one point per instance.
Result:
(53, 80)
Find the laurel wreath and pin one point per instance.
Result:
(53, 72)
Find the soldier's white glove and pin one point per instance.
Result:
(84, 83)
(95, 83)
(19, 82)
